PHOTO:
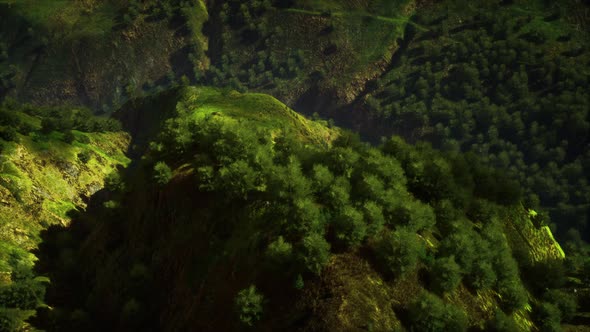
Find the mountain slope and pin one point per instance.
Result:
(238, 190)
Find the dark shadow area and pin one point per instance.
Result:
(181, 63)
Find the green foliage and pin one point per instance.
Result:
(22, 295)
(315, 253)
(114, 182)
(299, 283)
(564, 300)
(514, 295)
(445, 274)
(491, 83)
(502, 322)
(546, 274)
(548, 317)
(373, 214)
(482, 275)
(349, 226)
(84, 156)
(9, 320)
(279, 252)
(429, 313)
(249, 305)
(462, 246)
(415, 215)
(69, 137)
(162, 173)
(8, 134)
(400, 251)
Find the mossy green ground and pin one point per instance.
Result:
(258, 110)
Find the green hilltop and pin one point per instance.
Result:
(239, 203)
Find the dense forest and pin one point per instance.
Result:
(149, 181)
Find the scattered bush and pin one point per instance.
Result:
(84, 156)
(162, 173)
(249, 305)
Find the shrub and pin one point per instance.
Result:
(248, 304)
(546, 274)
(84, 139)
(8, 134)
(416, 215)
(48, 125)
(162, 173)
(84, 156)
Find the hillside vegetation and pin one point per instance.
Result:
(155, 173)
(97, 53)
(50, 165)
(247, 214)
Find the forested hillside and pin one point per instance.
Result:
(243, 213)
(297, 165)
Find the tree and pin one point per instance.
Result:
(400, 251)
(548, 317)
(279, 251)
(249, 305)
(514, 295)
(429, 313)
(314, 253)
(482, 275)
(461, 245)
(350, 227)
(445, 275)
(502, 322)
(565, 302)
(162, 173)
(374, 217)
